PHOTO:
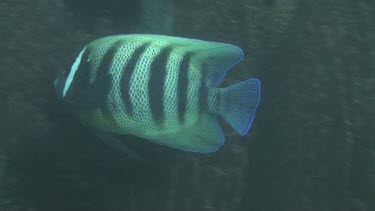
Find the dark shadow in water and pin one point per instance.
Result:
(70, 169)
(121, 13)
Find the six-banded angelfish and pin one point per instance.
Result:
(161, 88)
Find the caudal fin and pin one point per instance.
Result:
(238, 104)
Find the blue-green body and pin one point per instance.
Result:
(161, 88)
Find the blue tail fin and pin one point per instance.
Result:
(238, 104)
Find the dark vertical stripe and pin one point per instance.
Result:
(103, 71)
(203, 96)
(81, 79)
(127, 72)
(182, 86)
(107, 60)
(156, 84)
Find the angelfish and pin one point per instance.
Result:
(161, 88)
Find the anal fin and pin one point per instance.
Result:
(204, 136)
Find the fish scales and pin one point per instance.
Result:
(136, 73)
(160, 88)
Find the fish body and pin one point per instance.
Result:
(161, 88)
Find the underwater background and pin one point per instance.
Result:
(311, 146)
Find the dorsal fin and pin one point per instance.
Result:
(216, 60)
(213, 58)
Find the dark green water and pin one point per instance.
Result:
(311, 146)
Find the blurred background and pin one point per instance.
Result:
(311, 146)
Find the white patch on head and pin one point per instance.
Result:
(72, 72)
